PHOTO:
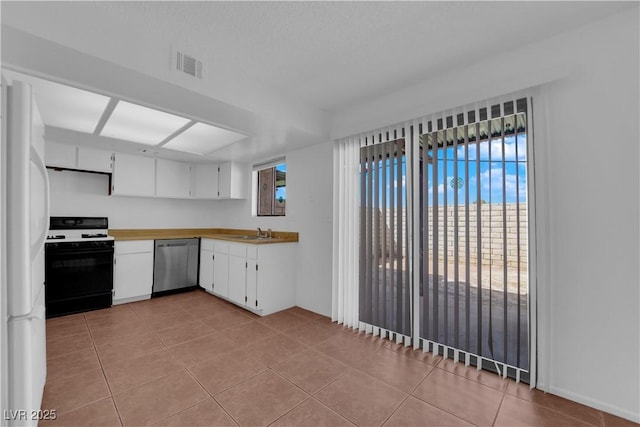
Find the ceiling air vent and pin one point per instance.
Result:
(188, 64)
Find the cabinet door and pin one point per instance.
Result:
(90, 159)
(173, 179)
(60, 155)
(205, 181)
(133, 175)
(253, 301)
(237, 279)
(221, 273)
(231, 181)
(133, 276)
(224, 181)
(206, 269)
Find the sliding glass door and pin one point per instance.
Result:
(473, 245)
(457, 284)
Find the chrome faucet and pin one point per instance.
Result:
(268, 234)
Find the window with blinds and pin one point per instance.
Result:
(474, 227)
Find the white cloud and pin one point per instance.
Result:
(496, 150)
(493, 178)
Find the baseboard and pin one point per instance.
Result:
(132, 299)
(605, 407)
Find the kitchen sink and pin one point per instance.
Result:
(245, 237)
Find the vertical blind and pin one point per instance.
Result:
(431, 226)
(473, 223)
(385, 286)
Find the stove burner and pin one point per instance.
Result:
(89, 236)
(56, 237)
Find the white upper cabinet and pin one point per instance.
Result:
(60, 155)
(133, 175)
(173, 179)
(231, 181)
(205, 181)
(68, 156)
(223, 181)
(90, 159)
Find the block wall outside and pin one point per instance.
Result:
(493, 235)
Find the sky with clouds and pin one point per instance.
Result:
(503, 172)
(496, 163)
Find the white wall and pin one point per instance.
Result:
(587, 160)
(309, 212)
(86, 194)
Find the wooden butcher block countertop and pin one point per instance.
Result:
(229, 234)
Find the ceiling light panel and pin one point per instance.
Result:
(136, 123)
(203, 139)
(64, 106)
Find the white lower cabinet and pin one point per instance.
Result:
(221, 269)
(133, 271)
(258, 278)
(237, 279)
(206, 264)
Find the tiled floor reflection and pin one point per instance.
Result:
(194, 360)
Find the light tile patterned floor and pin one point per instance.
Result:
(194, 360)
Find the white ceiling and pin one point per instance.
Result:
(295, 64)
(328, 54)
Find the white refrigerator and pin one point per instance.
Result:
(24, 224)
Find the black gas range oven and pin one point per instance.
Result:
(78, 265)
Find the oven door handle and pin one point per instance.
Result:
(82, 251)
(39, 244)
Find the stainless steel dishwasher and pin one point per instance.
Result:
(175, 266)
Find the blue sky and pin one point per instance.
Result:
(491, 172)
(281, 191)
(491, 179)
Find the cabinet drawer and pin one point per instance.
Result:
(252, 252)
(206, 244)
(238, 250)
(133, 247)
(221, 246)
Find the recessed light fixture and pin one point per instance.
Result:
(136, 123)
(79, 110)
(203, 139)
(64, 106)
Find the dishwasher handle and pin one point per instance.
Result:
(176, 242)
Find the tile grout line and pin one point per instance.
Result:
(296, 406)
(109, 396)
(331, 409)
(395, 410)
(95, 348)
(556, 410)
(435, 406)
(495, 417)
(471, 379)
